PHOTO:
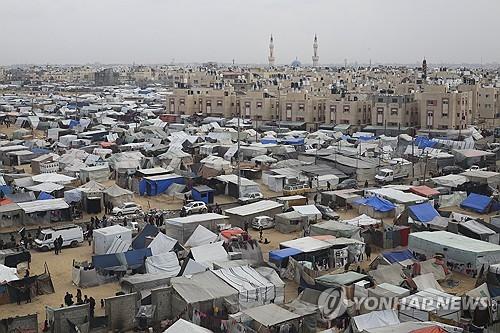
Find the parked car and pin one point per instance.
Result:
(195, 207)
(264, 222)
(250, 197)
(295, 189)
(327, 213)
(451, 170)
(347, 184)
(71, 234)
(127, 208)
(476, 168)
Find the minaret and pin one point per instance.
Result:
(315, 56)
(424, 68)
(271, 52)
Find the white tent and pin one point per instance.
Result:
(375, 319)
(118, 245)
(161, 244)
(52, 178)
(426, 281)
(419, 306)
(201, 236)
(7, 274)
(312, 213)
(183, 326)
(209, 253)
(163, 263)
(362, 220)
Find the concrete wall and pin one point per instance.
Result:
(13, 324)
(121, 311)
(161, 298)
(77, 314)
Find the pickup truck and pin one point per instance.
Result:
(476, 168)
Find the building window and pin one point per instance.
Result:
(301, 107)
(394, 112)
(430, 118)
(380, 100)
(394, 100)
(219, 102)
(181, 101)
(346, 108)
(380, 116)
(446, 105)
(431, 102)
(259, 105)
(247, 109)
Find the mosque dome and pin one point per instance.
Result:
(296, 63)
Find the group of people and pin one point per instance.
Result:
(108, 207)
(58, 243)
(154, 219)
(68, 301)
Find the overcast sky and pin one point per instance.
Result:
(162, 31)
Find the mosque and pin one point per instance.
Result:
(296, 63)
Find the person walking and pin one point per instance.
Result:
(368, 251)
(67, 299)
(92, 306)
(56, 246)
(60, 241)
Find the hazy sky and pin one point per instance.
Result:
(159, 31)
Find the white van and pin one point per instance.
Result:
(71, 234)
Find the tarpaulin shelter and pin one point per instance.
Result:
(156, 185)
(182, 326)
(289, 222)
(253, 288)
(143, 283)
(201, 236)
(117, 195)
(209, 253)
(280, 257)
(271, 316)
(392, 274)
(462, 253)
(336, 229)
(240, 215)
(424, 212)
(85, 275)
(166, 263)
(310, 211)
(378, 204)
(477, 202)
(403, 257)
(139, 241)
(424, 191)
(420, 306)
(104, 237)
(162, 244)
(374, 319)
(45, 196)
(181, 228)
(203, 193)
(202, 291)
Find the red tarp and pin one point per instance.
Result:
(432, 329)
(424, 191)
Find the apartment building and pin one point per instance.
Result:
(487, 104)
(395, 111)
(351, 109)
(443, 111)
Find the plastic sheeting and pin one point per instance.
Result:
(424, 212)
(450, 200)
(398, 256)
(163, 263)
(378, 204)
(201, 236)
(375, 319)
(162, 244)
(426, 281)
(71, 196)
(208, 254)
(477, 202)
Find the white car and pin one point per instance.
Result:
(127, 208)
(264, 222)
(250, 197)
(195, 207)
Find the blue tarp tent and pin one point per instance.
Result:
(294, 141)
(424, 212)
(397, 256)
(423, 142)
(477, 202)
(279, 255)
(157, 185)
(266, 141)
(139, 241)
(131, 259)
(73, 123)
(136, 258)
(45, 196)
(378, 204)
(203, 193)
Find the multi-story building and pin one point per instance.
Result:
(394, 111)
(443, 111)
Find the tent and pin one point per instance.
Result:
(201, 236)
(424, 191)
(336, 229)
(181, 228)
(312, 213)
(162, 244)
(378, 204)
(420, 306)
(281, 256)
(156, 185)
(182, 326)
(374, 319)
(253, 289)
(117, 195)
(166, 263)
(45, 196)
(105, 237)
(392, 274)
(289, 222)
(7, 274)
(423, 212)
(426, 281)
(209, 253)
(270, 315)
(362, 221)
(477, 202)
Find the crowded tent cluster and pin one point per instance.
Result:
(207, 224)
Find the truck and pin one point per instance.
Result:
(394, 173)
(71, 234)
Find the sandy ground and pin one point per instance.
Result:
(60, 268)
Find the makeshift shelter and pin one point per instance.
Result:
(105, 237)
(201, 236)
(424, 212)
(451, 181)
(339, 280)
(92, 196)
(426, 281)
(231, 185)
(253, 289)
(203, 193)
(271, 318)
(162, 244)
(462, 253)
(420, 306)
(392, 274)
(310, 211)
(241, 215)
(453, 199)
(424, 191)
(202, 291)
(165, 263)
(45, 211)
(182, 326)
(363, 221)
(85, 275)
(280, 257)
(98, 173)
(336, 229)
(477, 202)
(156, 185)
(290, 222)
(208, 254)
(374, 319)
(143, 283)
(181, 228)
(117, 195)
(375, 207)
(53, 178)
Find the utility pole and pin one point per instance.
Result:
(239, 153)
